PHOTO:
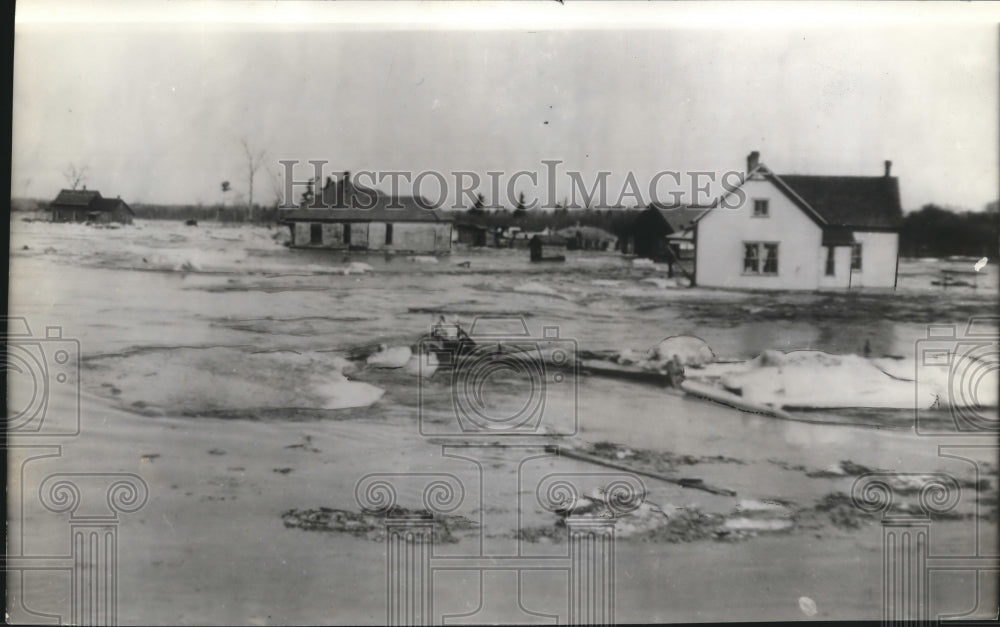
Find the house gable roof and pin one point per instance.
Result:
(856, 202)
(76, 198)
(853, 201)
(679, 218)
(380, 209)
(346, 201)
(110, 204)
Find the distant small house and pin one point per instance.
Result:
(665, 233)
(656, 232)
(470, 234)
(587, 238)
(82, 205)
(545, 247)
(801, 232)
(347, 216)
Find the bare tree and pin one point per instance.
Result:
(254, 159)
(277, 186)
(75, 175)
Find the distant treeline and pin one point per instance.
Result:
(937, 232)
(932, 231)
(616, 221)
(219, 213)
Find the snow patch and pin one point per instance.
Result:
(821, 380)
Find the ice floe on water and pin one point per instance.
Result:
(422, 364)
(196, 381)
(390, 357)
(814, 379)
(687, 349)
(818, 380)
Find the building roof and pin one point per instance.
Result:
(838, 236)
(110, 204)
(856, 202)
(347, 193)
(853, 201)
(382, 209)
(470, 226)
(678, 217)
(345, 201)
(76, 197)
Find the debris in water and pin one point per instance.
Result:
(446, 528)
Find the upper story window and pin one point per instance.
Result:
(760, 208)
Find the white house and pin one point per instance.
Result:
(801, 232)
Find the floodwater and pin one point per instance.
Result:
(211, 355)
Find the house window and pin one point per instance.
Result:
(760, 208)
(770, 259)
(347, 233)
(856, 257)
(388, 233)
(751, 261)
(760, 258)
(830, 263)
(315, 233)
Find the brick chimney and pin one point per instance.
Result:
(888, 168)
(753, 159)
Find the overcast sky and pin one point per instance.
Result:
(155, 112)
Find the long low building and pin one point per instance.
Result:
(356, 218)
